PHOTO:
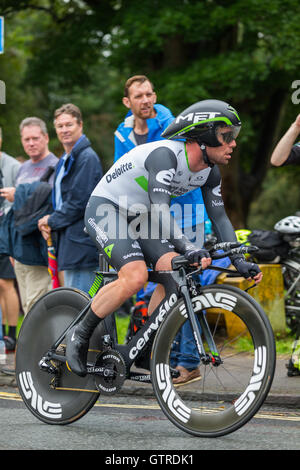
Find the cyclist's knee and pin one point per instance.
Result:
(164, 262)
(133, 277)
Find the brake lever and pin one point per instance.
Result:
(251, 287)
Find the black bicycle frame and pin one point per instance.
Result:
(176, 286)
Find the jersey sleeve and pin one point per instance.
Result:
(215, 209)
(161, 165)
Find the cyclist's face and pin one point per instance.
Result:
(35, 142)
(227, 134)
(222, 154)
(68, 129)
(141, 100)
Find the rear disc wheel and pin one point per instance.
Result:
(67, 397)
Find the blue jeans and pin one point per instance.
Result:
(81, 279)
(184, 351)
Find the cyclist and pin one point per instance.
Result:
(128, 213)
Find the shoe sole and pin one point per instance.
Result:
(187, 382)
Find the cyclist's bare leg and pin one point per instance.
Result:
(131, 278)
(163, 264)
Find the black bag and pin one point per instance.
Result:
(271, 244)
(139, 316)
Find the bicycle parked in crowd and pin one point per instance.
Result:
(282, 245)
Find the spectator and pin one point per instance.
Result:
(145, 120)
(9, 299)
(30, 265)
(78, 172)
(286, 152)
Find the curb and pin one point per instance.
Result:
(7, 379)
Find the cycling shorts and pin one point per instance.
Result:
(122, 237)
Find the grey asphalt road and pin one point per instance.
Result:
(136, 424)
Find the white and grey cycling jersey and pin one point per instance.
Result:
(148, 171)
(151, 174)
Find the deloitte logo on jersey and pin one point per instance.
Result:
(119, 171)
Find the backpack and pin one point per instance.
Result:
(271, 245)
(139, 316)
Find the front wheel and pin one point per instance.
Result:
(64, 398)
(227, 395)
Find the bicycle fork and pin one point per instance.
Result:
(205, 358)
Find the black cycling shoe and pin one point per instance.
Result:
(76, 352)
(10, 344)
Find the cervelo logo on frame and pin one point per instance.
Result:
(163, 310)
(197, 117)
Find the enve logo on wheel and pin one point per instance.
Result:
(217, 300)
(175, 405)
(247, 398)
(45, 408)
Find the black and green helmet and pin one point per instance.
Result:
(203, 121)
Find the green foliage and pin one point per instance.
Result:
(280, 197)
(247, 53)
(122, 327)
(284, 344)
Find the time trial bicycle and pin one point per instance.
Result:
(234, 383)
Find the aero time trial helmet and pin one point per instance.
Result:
(208, 122)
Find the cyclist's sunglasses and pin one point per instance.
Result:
(227, 134)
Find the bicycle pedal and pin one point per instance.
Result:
(174, 373)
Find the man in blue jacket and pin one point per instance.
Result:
(145, 120)
(77, 173)
(144, 123)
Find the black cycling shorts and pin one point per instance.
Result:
(122, 237)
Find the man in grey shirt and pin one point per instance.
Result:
(33, 280)
(9, 299)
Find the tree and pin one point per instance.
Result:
(243, 52)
